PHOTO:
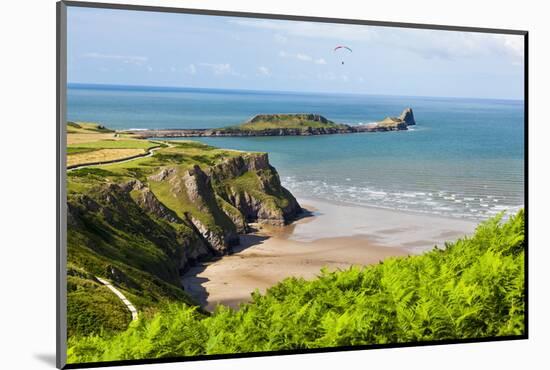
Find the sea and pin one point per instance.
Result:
(463, 159)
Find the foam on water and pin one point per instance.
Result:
(439, 203)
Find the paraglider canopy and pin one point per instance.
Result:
(342, 47)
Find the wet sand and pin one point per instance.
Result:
(332, 236)
(412, 231)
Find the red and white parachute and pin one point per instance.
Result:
(342, 48)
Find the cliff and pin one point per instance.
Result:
(141, 224)
(252, 186)
(408, 117)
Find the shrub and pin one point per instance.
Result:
(474, 288)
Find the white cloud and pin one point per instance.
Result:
(128, 59)
(302, 57)
(331, 76)
(264, 71)
(149, 68)
(428, 44)
(191, 69)
(280, 39)
(327, 76)
(432, 44)
(512, 45)
(311, 29)
(220, 68)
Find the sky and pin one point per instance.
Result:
(124, 47)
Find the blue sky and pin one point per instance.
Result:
(164, 49)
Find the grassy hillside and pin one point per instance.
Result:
(138, 224)
(285, 121)
(474, 288)
(86, 128)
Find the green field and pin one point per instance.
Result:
(114, 144)
(89, 143)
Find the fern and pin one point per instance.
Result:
(474, 288)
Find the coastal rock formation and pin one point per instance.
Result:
(307, 131)
(176, 217)
(202, 196)
(394, 123)
(260, 197)
(408, 117)
(237, 166)
(149, 202)
(288, 124)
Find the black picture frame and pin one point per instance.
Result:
(61, 195)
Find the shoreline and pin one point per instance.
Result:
(417, 232)
(331, 236)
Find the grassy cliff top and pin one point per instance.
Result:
(176, 155)
(181, 155)
(285, 121)
(86, 127)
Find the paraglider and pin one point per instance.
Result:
(343, 48)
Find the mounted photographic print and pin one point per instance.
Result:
(235, 184)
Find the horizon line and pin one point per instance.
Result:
(284, 91)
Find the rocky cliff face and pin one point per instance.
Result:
(252, 186)
(186, 214)
(308, 131)
(408, 117)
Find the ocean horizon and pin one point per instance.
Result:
(464, 158)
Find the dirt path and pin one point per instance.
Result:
(119, 294)
(148, 153)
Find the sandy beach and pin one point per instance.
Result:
(332, 236)
(414, 232)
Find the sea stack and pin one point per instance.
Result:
(408, 117)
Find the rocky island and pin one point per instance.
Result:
(285, 124)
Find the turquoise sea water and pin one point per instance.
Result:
(465, 157)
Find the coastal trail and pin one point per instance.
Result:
(149, 153)
(122, 297)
